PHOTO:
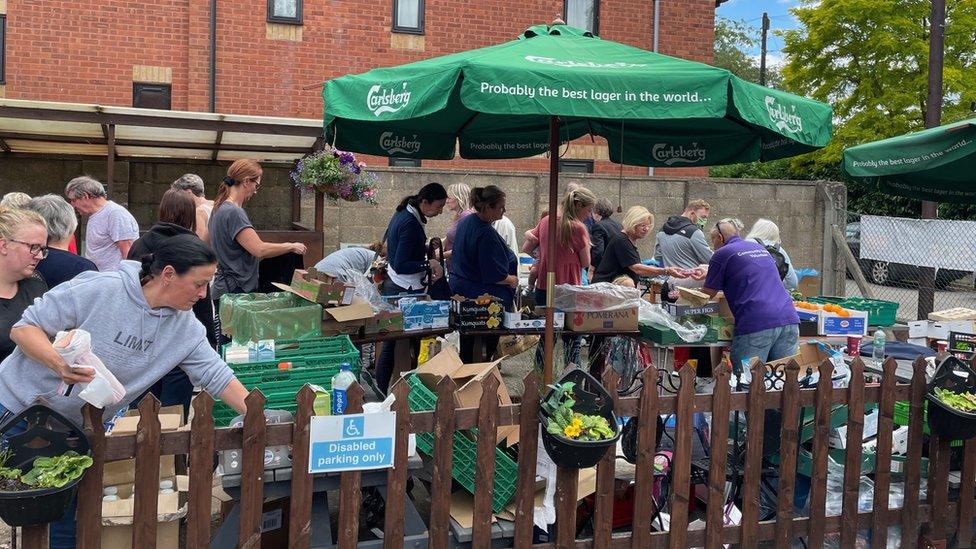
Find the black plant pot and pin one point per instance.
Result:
(591, 399)
(44, 505)
(947, 422)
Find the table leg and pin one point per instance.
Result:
(402, 357)
(478, 349)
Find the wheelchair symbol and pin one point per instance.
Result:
(352, 427)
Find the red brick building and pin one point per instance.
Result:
(273, 56)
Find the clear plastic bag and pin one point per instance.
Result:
(281, 315)
(601, 296)
(366, 289)
(75, 348)
(687, 331)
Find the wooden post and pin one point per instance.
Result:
(201, 471)
(350, 483)
(147, 475)
(252, 471)
(90, 489)
(644, 473)
(789, 442)
(300, 517)
(440, 489)
(528, 452)
(485, 462)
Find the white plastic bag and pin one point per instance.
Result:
(387, 406)
(688, 331)
(75, 348)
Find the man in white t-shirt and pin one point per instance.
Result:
(110, 230)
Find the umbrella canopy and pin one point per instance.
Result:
(495, 102)
(937, 164)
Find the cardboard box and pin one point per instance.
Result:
(346, 319)
(481, 313)
(124, 471)
(958, 313)
(424, 314)
(834, 324)
(693, 297)
(617, 320)
(468, 378)
(724, 310)
(941, 330)
(535, 321)
(384, 322)
(918, 328)
(681, 309)
(117, 517)
(319, 287)
(809, 355)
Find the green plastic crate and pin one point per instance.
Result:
(465, 451)
(901, 413)
(662, 335)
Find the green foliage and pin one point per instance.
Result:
(732, 40)
(57, 471)
(564, 422)
(964, 402)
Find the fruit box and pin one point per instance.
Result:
(831, 323)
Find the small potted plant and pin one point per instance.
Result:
(38, 481)
(578, 423)
(952, 400)
(337, 174)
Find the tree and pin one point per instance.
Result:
(733, 40)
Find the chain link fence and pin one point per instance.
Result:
(899, 281)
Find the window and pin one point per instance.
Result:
(404, 162)
(151, 96)
(3, 49)
(285, 11)
(408, 16)
(576, 166)
(584, 14)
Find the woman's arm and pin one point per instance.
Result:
(650, 270)
(35, 344)
(202, 230)
(234, 396)
(250, 241)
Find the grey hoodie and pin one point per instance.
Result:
(138, 344)
(680, 243)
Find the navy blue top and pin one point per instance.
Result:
(61, 266)
(480, 260)
(406, 244)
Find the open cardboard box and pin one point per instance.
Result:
(468, 378)
(117, 517)
(347, 319)
(810, 355)
(319, 287)
(124, 471)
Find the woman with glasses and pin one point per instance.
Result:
(236, 243)
(23, 244)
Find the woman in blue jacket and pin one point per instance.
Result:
(481, 262)
(406, 255)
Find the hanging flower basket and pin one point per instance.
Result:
(578, 423)
(336, 174)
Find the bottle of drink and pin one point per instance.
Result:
(877, 348)
(340, 382)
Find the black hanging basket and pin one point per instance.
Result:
(591, 399)
(48, 434)
(947, 422)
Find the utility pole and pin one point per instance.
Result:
(933, 118)
(762, 57)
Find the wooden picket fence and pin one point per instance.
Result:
(931, 521)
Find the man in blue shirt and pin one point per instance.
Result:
(766, 324)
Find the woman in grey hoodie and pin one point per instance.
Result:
(141, 327)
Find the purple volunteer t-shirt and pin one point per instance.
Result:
(745, 271)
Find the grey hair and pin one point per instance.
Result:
(189, 182)
(57, 213)
(84, 185)
(15, 199)
(765, 230)
(603, 207)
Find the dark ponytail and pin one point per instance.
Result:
(431, 192)
(182, 252)
(485, 197)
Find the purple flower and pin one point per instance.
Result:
(356, 169)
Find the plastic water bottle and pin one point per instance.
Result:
(340, 382)
(877, 348)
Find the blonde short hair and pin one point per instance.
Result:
(698, 204)
(462, 193)
(635, 216)
(765, 230)
(15, 199)
(12, 219)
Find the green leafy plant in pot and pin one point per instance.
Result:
(578, 423)
(952, 400)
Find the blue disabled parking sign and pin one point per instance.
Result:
(356, 442)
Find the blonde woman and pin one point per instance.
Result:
(621, 257)
(458, 202)
(23, 244)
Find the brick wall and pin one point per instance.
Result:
(85, 50)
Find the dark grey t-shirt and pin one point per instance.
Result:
(237, 269)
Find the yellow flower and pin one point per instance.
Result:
(574, 429)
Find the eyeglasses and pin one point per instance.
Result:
(34, 248)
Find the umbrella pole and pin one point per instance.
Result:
(551, 246)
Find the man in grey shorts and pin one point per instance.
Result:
(111, 229)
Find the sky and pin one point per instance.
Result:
(751, 12)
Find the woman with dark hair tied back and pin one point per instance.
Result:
(482, 262)
(141, 328)
(406, 254)
(236, 243)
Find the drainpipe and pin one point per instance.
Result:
(657, 22)
(213, 55)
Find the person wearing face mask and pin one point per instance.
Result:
(141, 328)
(234, 240)
(483, 262)
(23, 244)
(681, 242)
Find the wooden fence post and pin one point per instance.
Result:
(913, 465)
(818, 474)
(681, 466)
(528, 452)
(789, 442)
(644, 472)
(603, 513)
(755, 415)
(201, 471)
(396, 478)
(485, 462)
(852, 462)
(350, 496)
(300, 515)
(715, 518)
(146, 503)
(252, 471)
(882, 460)
(441, 481)
(89, 517)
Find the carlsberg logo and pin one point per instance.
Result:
(398, 144)
(785, 119)
(581, 64)
(670, 155)
(380, 100)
